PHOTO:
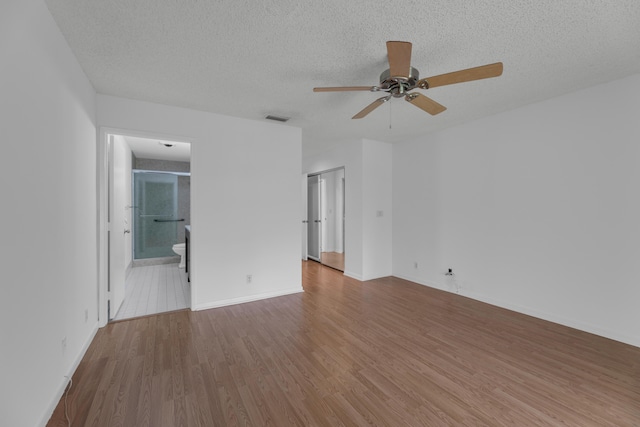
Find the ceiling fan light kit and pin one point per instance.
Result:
(401, 78)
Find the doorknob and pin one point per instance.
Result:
(127, 231)
(304, 221)
(317, 220)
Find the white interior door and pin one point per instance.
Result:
(116, 227)
(314, 217)
(305, 220)
(332, 213)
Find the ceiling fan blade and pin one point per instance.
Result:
(343, 88)
(399, 54)
(369, 108)
(470, 74)
(425, 103)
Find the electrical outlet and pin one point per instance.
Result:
(249, 278)
(86, 315)
(415, 264)
(64, 344)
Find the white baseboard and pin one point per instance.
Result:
(571, 323)
(352, 275)
(65, 381)
(422, 282)
(250, 298)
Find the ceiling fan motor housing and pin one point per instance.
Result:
(399, 85)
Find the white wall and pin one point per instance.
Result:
(368, 190)
(245, 198)
(377, 209)
(47, 120)
(535, 209)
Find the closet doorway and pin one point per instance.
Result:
(326, 218)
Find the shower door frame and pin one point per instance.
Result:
(137, 224)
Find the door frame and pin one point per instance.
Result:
(102, 170)
(310, 226)
(305, 217)
(344, 204)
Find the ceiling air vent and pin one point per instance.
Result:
(277, 118)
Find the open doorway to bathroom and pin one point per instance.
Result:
(149, 211)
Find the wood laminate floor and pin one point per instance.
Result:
(347, 353)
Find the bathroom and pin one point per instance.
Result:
(151, 185)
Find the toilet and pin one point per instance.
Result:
(180, 249)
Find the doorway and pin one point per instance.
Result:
(138, 270)
(326, 218)
(314, 231)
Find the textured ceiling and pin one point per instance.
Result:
(253, 58)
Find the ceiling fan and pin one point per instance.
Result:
(401, 78)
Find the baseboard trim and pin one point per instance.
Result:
(145, 262)
(352, 275)
(424, 283)
(585, 327)
(250, 298)
(575, 324)
(65, 381)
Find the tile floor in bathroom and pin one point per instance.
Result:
(154, 289)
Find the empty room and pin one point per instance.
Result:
(420, 214)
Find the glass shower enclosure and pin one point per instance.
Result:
(155, 220)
